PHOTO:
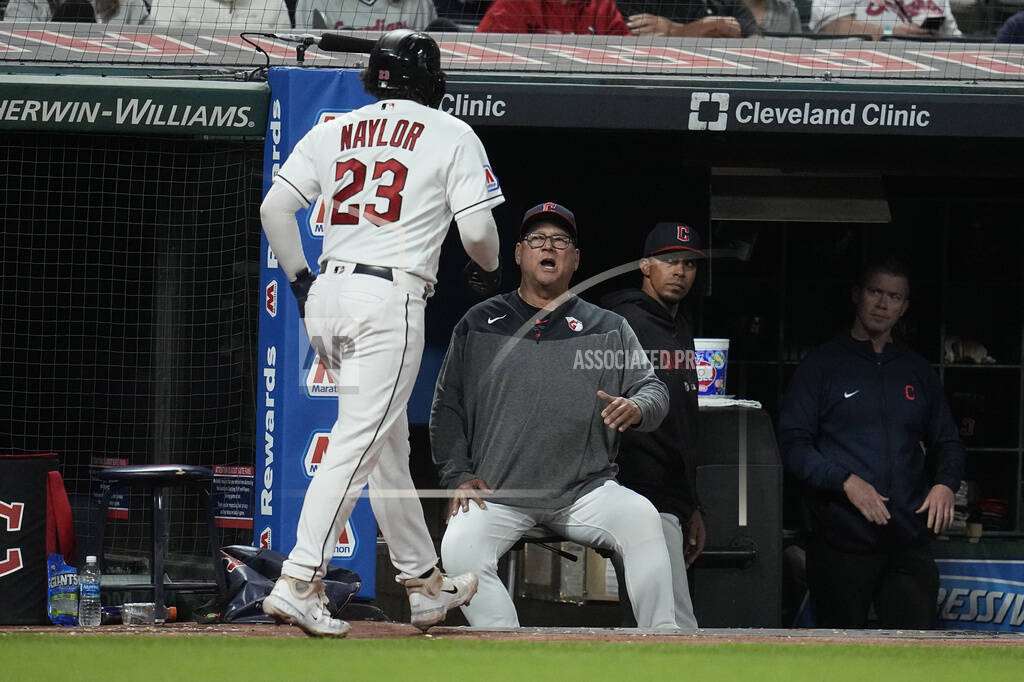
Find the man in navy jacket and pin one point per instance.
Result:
(857, 420)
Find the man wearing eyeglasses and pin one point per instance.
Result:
(856, 422)
(660, 464)
(534, 394)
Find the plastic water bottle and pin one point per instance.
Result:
(90, 612)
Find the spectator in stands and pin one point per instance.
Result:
(689, 18)
(239, 14)
(466, 12)
(877, 18)
(775, 16)
(100, 11)
(357, 15)
(585, 17)
(1013, 30)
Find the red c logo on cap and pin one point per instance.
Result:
(549, 207)
(683, 233)
(908, 391)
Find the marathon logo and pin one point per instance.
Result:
(270, 386)
(315, 368)
(319, 383)
(317, 215)
(315, 219)
(265, 542)
(346, 547)
(270, 302)
(330, 115)
(315, 451)
(712, 111)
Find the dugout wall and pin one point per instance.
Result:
(129, 240)
(797, 159)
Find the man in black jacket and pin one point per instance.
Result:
(852, 425)
(660, 464)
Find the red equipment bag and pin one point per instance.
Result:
(35, 520)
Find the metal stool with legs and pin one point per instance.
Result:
(549, 540)
(158, 479)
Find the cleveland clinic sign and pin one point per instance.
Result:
(716, 111)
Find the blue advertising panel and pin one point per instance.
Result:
(296, 399)
(976, 594)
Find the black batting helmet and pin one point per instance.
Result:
(406, 64)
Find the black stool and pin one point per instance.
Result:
(158, 478)
(549, 540)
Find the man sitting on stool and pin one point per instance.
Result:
(526, 406)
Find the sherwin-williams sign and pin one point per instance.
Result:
(85, 104)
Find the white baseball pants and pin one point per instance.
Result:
(675, 543)
(610, 517)
(369, 333)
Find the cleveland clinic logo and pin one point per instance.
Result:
(708, 111)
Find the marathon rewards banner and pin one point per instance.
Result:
(296, 397)
(977, 594)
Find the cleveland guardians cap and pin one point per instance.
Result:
(672, 236)
(555, 213)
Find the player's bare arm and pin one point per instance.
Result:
(849, 26)
(470, 490)
(705, 27)
(620, 413)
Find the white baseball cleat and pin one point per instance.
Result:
(431, 598)
(304, 605)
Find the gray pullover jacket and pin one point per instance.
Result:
(516, 401)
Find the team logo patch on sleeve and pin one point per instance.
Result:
(490, 179)
(574, 324)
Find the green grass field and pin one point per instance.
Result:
(109, 658)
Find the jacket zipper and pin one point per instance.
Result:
(885, 425)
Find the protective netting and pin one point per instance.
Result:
(128, 308)
(921, 39)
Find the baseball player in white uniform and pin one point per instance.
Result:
(393, 175)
